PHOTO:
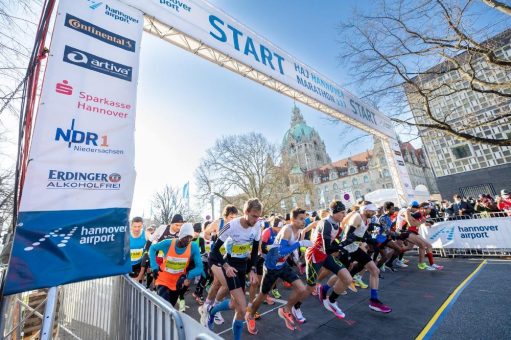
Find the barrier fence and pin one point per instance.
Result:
(109, 308)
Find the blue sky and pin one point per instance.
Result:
(185, 103)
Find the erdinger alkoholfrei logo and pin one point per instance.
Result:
(99, 33)
(444, 230)
(95, 63)
(59, 179)
(57, 234)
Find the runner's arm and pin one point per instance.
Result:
(155, 248)
(284, 247)
(213, 227)
(329, 246)
(254, 254)
(215, 254)
(197, 271)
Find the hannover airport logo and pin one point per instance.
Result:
(57, 235)
(444, 230)
(99, 33)
(95, 63)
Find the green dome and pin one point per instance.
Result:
(299, 131)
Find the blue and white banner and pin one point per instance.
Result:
(214, 28)
(488, 233)
(73, 223)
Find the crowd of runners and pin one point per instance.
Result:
(333, 250)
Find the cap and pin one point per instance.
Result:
(197, 227)
(186, 230)
(177, 218)
(414, 204)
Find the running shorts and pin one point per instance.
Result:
(241, 276)
(359, 256)
(270, 276)
(312, 269)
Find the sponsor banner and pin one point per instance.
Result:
(216, 29)
(404, 177)
(73, 221)
(474, 233)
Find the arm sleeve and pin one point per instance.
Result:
(153, 250)
(286, 249)
(215, 254)
(197, 271)
(255, 252)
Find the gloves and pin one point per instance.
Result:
(306, 243)
(180, 282)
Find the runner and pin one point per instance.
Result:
(267, 239)
(409, 231)
(351, 246)
(137, 243)
(206, 279)
(320, 257)
(218, 290)
(245, 233)
(276, 267)
(173, 275)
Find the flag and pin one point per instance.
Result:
(186, 190)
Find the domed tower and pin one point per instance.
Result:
(302, 145)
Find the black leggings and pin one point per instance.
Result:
(170, 295)
(204, 281)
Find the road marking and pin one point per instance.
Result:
(435, 321)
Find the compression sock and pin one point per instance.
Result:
(237, 328)
(333, 297)
(298, 305)
(374, 294)
(430, 258)
(220, 307)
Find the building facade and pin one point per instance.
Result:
(461, 166)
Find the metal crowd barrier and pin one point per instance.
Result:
(470, 217)
(109, 308)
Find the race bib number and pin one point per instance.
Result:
(208, 248)
(136, 254)
(175, 265)
(241, 250)
(223, 250)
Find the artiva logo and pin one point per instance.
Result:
(59, 179)
(99, 33)
(95, 63)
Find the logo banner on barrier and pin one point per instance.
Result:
(218, 30)
(474, 233)
(73, 223)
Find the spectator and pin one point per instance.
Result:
(461, 208)
(504, 201)
(447, 210)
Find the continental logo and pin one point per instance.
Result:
(99, 33)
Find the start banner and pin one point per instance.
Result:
(487, 233)
(73, 223)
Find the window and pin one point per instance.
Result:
(461, 151)
(335, 186)
(358, 195)
(366, 179)
(345, 184)
(355, 181)
(386, 173)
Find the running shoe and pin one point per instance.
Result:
(287, 317)
(377, 306)
(359, 282)
(203, 315)
(332, 307)
(219, 319)
(276, 294)
(382, 268)
(390, 268)
(198, 299)
(437, 266)
(257, 316)
(297, 313)
(352, 287)
(405, 261)
(251, 324)
(269, 300)
(287, 284)
(344, 293)
(400, 264)
(182, 305)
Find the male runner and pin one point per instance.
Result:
(358, 223)
(137, 243)
(276, 266)
(321, 257)
(245, 233)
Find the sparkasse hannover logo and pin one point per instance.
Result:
(94, 63)
(99, 33)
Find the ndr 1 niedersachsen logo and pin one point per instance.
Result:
(87, 235)
(58, 179)
(85, 141)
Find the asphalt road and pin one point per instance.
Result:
(479, 312)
